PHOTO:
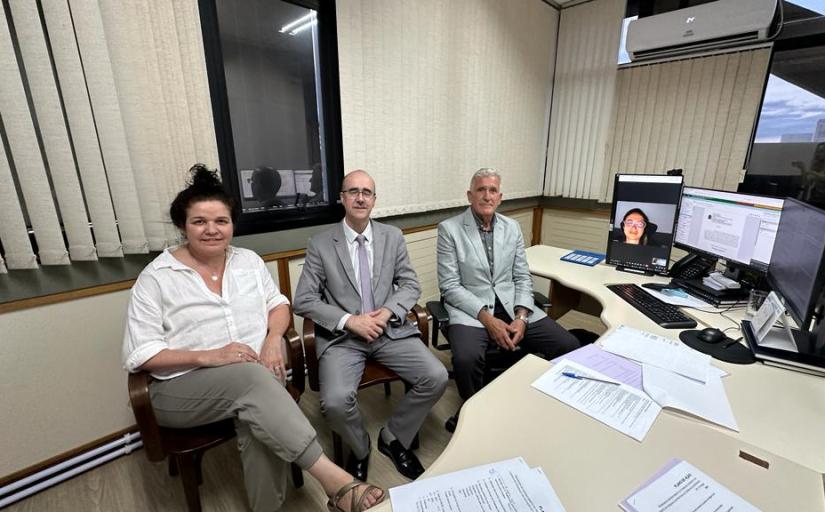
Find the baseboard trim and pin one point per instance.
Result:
(57, 459)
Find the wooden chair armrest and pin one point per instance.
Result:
(145, 415)
(311, 358)
(295, 358)
(418, 315)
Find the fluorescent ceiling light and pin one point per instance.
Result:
(300, 21)
(303, 27)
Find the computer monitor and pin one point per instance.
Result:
(796, 271)
(737, 227)
(642, 219)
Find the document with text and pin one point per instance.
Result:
(681, 487)
(617, 405)
(655, 350)
(616, 367)
(506, 486)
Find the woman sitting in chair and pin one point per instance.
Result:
(207, 321)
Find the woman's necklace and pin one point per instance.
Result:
(213, 275)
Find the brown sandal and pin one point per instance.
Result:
(357, 502)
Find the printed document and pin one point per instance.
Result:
(617, 368)
(617, 405)
(655, 350)
(506, 486)
(706, 400)
(681, 487)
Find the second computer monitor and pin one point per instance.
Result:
(797, 269)
(736, 227)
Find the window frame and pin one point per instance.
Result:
(277, 220)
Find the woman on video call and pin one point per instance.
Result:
(634, 227)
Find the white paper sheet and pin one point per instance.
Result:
(618, 406)
(707, 400)
(659, 351)
(509, 485)
(681, 487)
(681, 300)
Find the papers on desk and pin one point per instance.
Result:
(509, 485)
(681, 487)
(617, 405)
(707, 400)
(655, 350)
(617, 368)
(677, 297)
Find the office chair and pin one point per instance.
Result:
(185, 446)
(374, 373)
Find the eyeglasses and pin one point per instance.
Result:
(638, 223)
(353, 192)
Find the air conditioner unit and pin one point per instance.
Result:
(717, 24)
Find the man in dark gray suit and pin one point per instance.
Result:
(357, 285)
(487, 288)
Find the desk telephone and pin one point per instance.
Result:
(692, 266)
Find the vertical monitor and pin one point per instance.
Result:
(736, 227)
(642, 221)
(796, 269)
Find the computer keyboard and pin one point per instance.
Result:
(666, 315)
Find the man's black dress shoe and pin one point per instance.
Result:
(358, 468)
(405, 460)
(451, 423)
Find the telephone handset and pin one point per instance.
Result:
(692, 266)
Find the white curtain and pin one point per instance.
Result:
(695, 114)
(583, 98)
(104, 113)
(431, 90)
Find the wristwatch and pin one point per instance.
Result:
(523, 318)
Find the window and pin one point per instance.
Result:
(273, 77)
(787, 157)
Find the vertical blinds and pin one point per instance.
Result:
(583, 97)
(695, 114)
(104, 105)
(431, 91)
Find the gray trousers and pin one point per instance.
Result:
(468, 344)
(272, 430)
(341, 367)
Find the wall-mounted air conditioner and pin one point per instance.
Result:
(717, 24)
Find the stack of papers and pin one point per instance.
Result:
(657, 369)
(509, 485)
(681, 487)
(615, 404)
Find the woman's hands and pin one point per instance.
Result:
(230, 353)
(272, 357)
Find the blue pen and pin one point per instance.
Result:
(585, 377)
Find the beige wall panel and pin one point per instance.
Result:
(574, 229)
(61, 374)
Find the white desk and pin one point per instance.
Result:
(780, 411)
(592, 467)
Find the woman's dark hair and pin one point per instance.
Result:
(203, 185)
(643, 239)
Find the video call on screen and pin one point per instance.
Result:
(654, 198)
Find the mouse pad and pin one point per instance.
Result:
(736, 353)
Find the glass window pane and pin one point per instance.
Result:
(271, 66)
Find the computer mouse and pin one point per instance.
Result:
(711, 335)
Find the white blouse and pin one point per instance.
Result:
(171, 307)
